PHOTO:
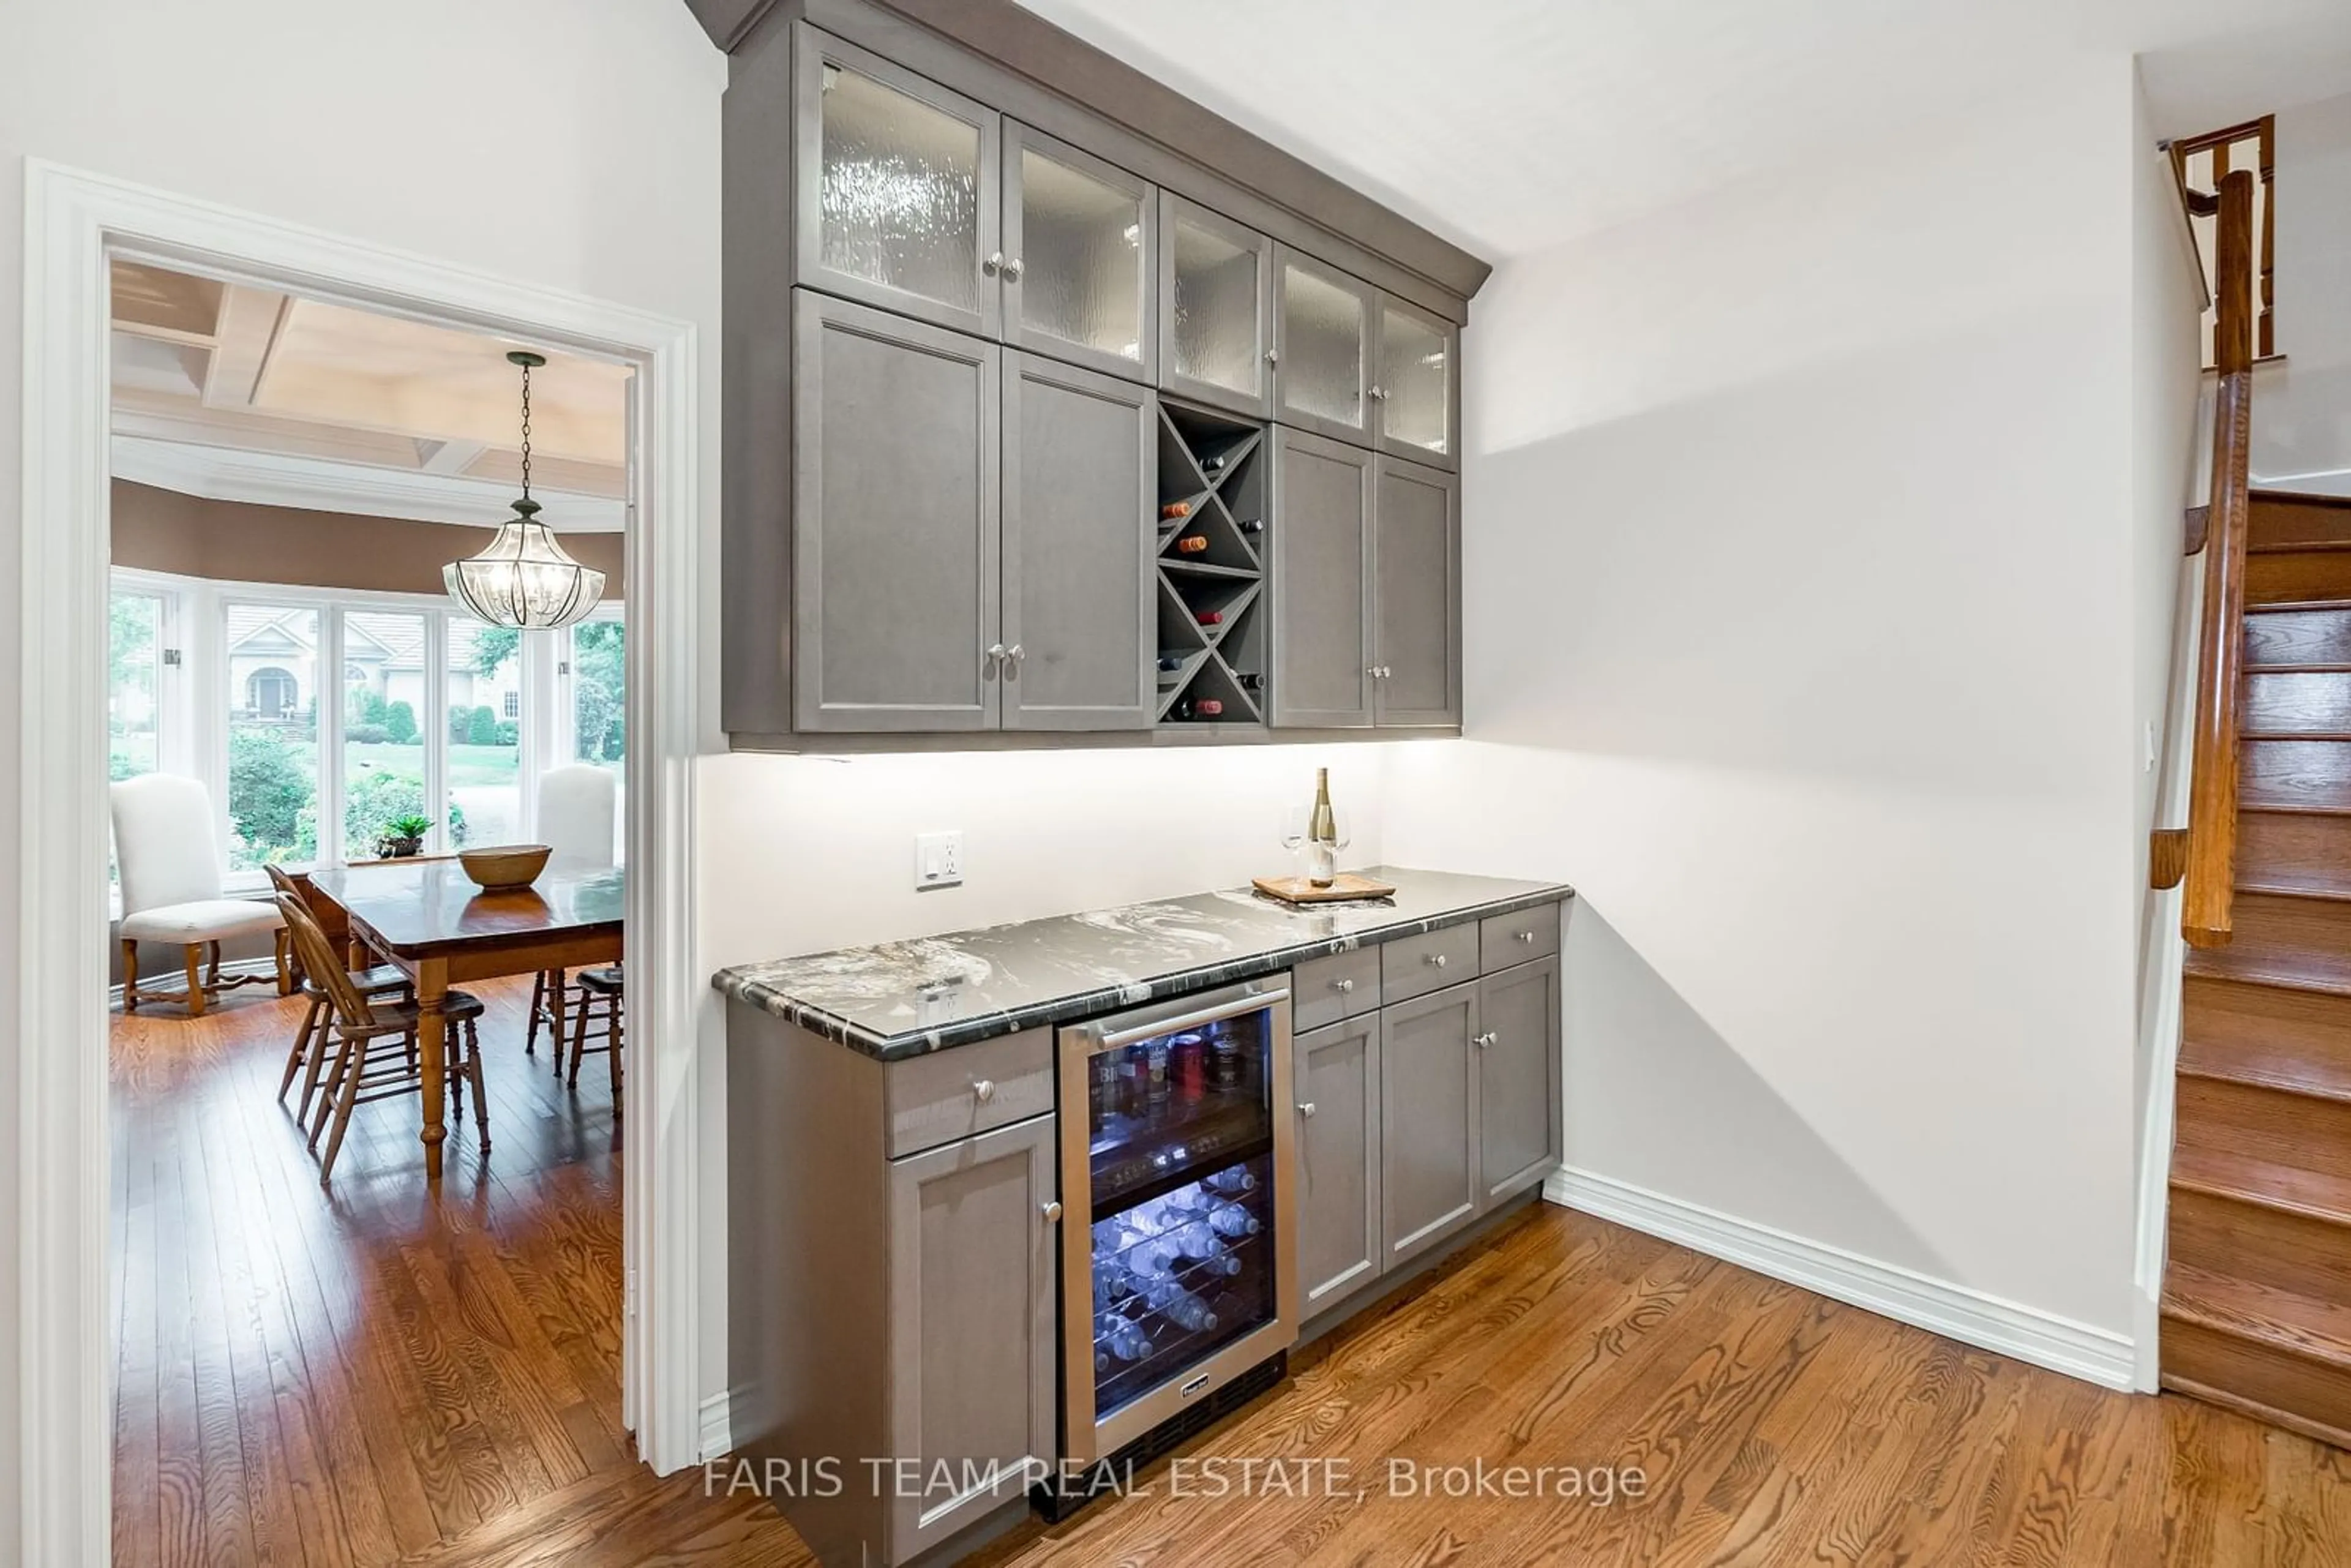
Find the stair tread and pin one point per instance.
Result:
(2336, 735)
(2286, 1072)
(2325, 892)
(2287, 606)
(2288, 972)
(2292, 546)
(2297, 667)
(2248, 1178)
(2300, 1325)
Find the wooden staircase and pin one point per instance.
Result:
(2257, 1293)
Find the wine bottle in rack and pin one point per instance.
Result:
(1174, 510)
(1210, 617)
(1214, 465)
(1192, 544)
(1250, 680)
(1250, 525)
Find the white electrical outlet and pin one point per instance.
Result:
(938, 859)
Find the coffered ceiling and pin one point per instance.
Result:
(241, 394)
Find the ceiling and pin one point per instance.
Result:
(1508, 126)
(243, 394)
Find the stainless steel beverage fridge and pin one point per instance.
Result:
(1178, 1269)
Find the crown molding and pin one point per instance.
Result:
(317, 484)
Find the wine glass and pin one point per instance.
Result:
(1294, 821)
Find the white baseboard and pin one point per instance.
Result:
(718, 1428)
(2078, 1350)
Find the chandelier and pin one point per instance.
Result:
(524, 578)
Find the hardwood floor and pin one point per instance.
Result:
(368, 1376)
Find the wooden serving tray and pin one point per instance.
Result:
(1298, 890)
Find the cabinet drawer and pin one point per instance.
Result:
(1338, 986)
(949, 1095)
(1410, 966)
(1519, 938)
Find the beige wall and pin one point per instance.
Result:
(233, 541)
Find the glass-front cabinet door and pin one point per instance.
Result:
(1216, 294)
(1416, 396)
(1079, 237)
(897, 195)
(1324, 328)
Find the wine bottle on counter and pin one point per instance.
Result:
(1175, 509)
(1322, 834)
(1192, 544)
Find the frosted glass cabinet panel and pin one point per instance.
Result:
(898, 188)
(1416, 394)
(1216, 288)
(1322, 339)
(1079, 235)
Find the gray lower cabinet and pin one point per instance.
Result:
(1079, 614)
(1416, 594)
(1322, 583)
(1429, 1165)
(972, 1301)
(897, 497)
(1336, 1077)
(1519, 1103)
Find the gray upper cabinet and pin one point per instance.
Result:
(1324, 328)
(1322, 583)
(971, 1296)
(919, 537)
(895, 569)
(1079, 239)
(1417, 388)
(897, 185)
(1417, 594)
(1078, 609)
(1429, 1165)
(1518, 1105)
(1216, 309)
(1337, 1082)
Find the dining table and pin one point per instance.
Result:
(428, 919)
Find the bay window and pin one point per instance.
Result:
(388, 706)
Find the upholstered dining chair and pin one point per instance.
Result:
(167, 848)
(311, 1040)
(578, 806)
(373, 1039)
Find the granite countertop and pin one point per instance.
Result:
(902, 999)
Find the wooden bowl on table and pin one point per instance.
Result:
(503, 868)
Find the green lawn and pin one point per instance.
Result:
(468, 765)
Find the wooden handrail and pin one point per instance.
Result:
(2210, 882)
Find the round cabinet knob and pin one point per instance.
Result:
(1306, 1109)
(1484, 1040)
(1438, 959)
(1379, 394)
(1012, 270)
(1052, 1212)
(1528, 937)
(1271, 358)
(1343, 986)
(983, 1090)
(994, 263)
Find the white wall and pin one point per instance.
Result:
(1802, 639)
(2301, 409)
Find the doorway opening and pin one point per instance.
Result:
(183, 1255)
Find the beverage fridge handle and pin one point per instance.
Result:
(1229, 1006)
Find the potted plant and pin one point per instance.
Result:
(402, 837)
